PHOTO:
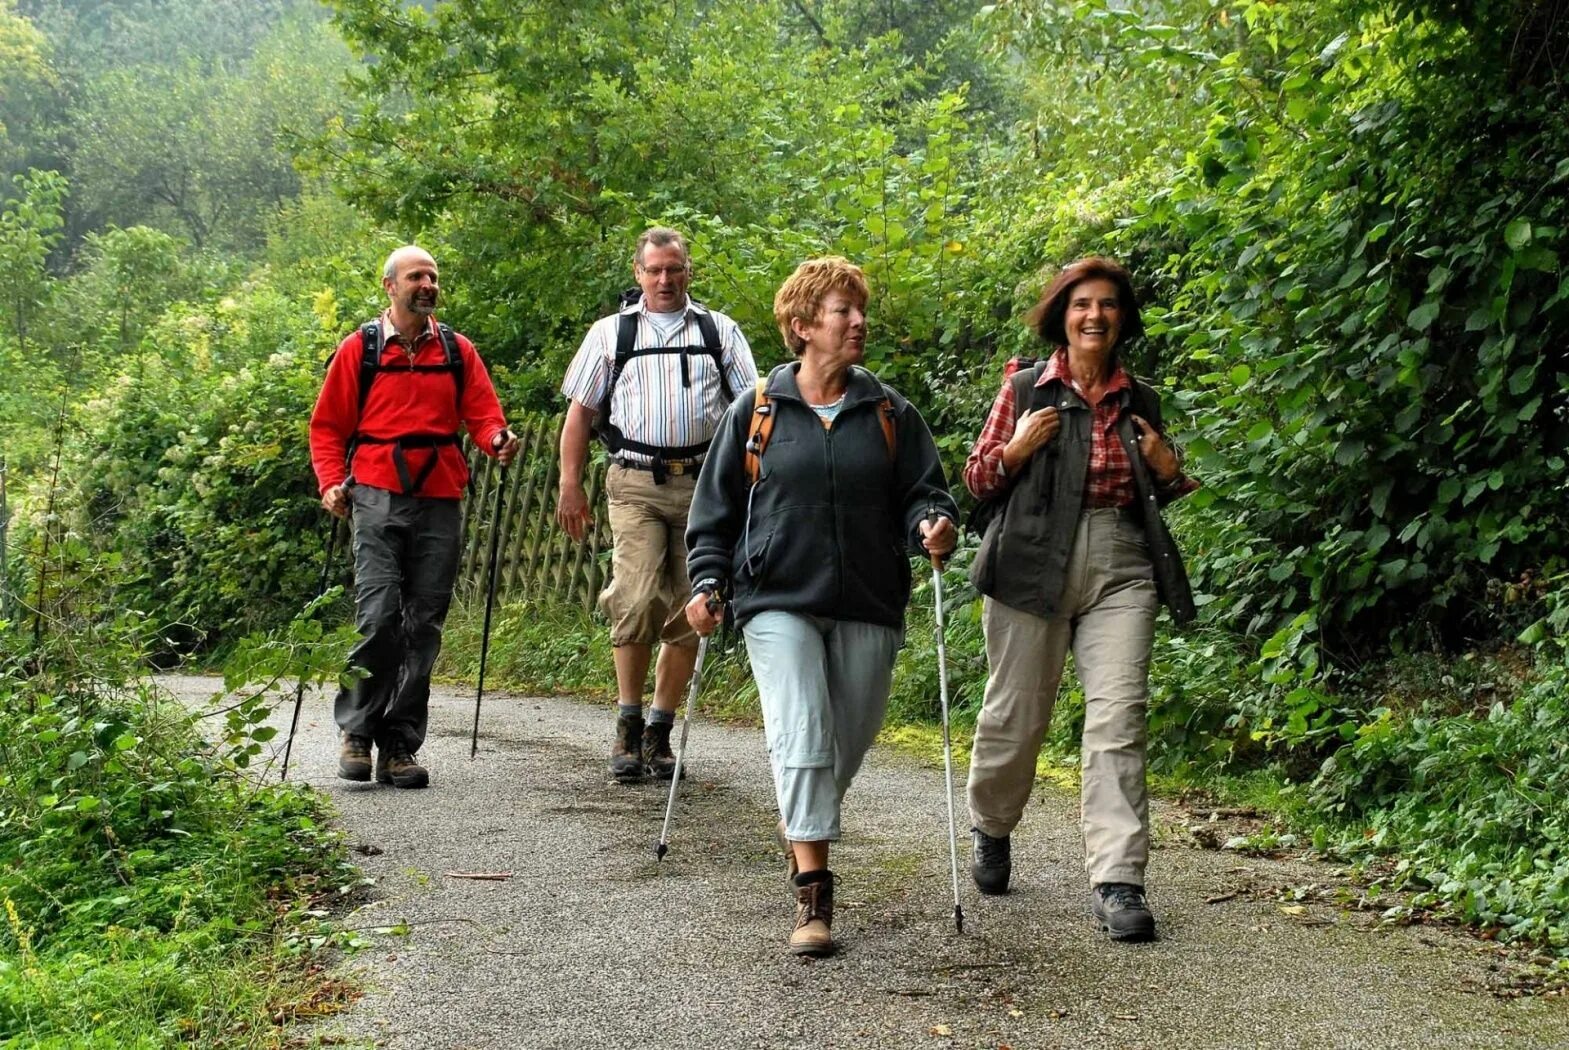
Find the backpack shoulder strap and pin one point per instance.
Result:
(1024, 387)
(449, 346)
(887, 416)
(759, 432)
(715, 349)
(626, 339)
(370, 359)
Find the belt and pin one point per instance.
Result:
(657, 468)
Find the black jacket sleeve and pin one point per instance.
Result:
(718, 514)
(920, 482)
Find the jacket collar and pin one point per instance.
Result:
(862, 385)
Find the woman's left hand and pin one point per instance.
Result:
(1159, 455)
(939, 537)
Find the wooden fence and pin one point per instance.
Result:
(536, 558)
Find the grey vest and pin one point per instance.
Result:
(1023, 558)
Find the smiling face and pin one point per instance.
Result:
(663, 273)
(1093, 320)
(412, 288)
(837, 336)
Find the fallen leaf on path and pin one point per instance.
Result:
(1056, 1015)
(1220, 897)
(1015, 1013)
(480, 876)
(941, 1029)
(1126, 1017)
(366, 849)
(1293, 909)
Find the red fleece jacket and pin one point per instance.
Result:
(402, 403)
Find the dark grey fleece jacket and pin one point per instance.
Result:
(831, 525)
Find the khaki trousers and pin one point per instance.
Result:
(646, 599)
(1107, 618)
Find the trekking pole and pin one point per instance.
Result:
(675, 778)
(299, 689)
(490, 596)
(947, 746)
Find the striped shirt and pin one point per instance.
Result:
(651, 405)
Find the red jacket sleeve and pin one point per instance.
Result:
(983, 474)
(481, 410)
(336, 414)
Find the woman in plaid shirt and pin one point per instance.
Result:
(1075, 457)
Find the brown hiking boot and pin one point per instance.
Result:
(354, 758)
(626, 754)
(657, 756)
(814, 914)
(396, 766)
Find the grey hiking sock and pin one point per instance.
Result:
(625, 710)
(657, 717)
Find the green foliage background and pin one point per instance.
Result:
(1347, 219)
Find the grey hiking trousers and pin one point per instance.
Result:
(1108, 620)
(405, 563)
(824, 687)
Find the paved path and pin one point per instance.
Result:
(592, 944)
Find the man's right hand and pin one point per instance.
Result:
(572, 512)
(336, 501)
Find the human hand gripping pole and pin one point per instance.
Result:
(947, 746)
(713, 605)
(506, 437)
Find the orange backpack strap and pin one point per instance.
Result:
(890, 436)
(761, 430)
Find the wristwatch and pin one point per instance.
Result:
(708, 585)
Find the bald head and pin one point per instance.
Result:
(402, 255)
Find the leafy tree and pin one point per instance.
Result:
(199, 147)
(25, 73)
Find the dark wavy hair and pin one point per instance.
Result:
(1047, 316)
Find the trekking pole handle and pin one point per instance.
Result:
(932, 518)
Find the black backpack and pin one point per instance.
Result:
(626, 339)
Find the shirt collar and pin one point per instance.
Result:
(640, 305)
(389, 331)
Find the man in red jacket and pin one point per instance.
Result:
(385, 447)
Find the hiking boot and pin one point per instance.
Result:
(659, 760)
(791, 868)
(1122, 912)
(814, 914)
(354, 757)
(626, 754)
(991, 862)
(395, 765)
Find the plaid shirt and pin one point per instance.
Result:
(1108, 477)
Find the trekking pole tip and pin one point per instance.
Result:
(659, 852)
(958, 918)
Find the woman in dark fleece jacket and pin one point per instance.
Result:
(815, 558)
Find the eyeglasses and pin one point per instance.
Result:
(656, 272)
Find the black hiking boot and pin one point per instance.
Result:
(991, 863)
(354, 758)
(626, 754)
(1122, 912)
(659, 760)
(395, 765)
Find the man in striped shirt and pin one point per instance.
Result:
(668, 368)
